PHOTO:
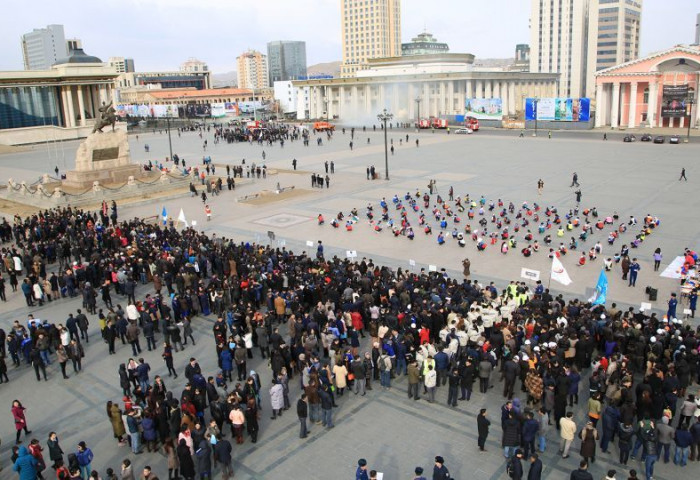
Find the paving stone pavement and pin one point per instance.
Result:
(393, 433)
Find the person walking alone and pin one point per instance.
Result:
(683, 177)
(574, 180)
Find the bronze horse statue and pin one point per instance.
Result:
(107, 117)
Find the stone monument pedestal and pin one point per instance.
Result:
(102, 157)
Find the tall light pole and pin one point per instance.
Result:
(534, 101)
(689, 108)
(384, 117)
(418, 100)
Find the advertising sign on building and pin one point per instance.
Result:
(674, 100)
(484, 108)
(558, 109)
(218, 110)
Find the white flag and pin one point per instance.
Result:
(559, 272)
(181, 217)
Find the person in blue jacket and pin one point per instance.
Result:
(227, 363)
(25, 464)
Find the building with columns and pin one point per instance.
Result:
(653, 91)
(67, 95)
(420, 86)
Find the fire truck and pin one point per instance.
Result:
(438, 123)
(471, 123)
(323, 126)
(423, 123)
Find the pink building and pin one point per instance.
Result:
(655, 91)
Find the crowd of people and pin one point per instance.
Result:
(308, 317)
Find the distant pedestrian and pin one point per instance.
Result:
(302, 413)
(633, 271)
(683, 177)
(605, 136)
(574, 180)
(482, 424)
(540, 186)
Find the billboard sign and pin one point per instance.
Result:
(484, 108)
(218, 110)
(675, 97)
(558, 109)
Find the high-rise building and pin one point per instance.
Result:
(423, 44)
(252, 70)
(575, 38)
(613, 35)
(370, 29)
(121, 64)
(42, 47)
(286, 61)
(194, 65)
(558, 42)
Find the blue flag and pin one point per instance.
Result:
(165, 216)
(601, 290)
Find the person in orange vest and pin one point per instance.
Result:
(207, 210)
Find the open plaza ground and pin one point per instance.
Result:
(393, 433)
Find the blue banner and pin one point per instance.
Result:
(601, 289)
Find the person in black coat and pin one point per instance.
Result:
(482, 424)
(440, 471)
(302, 413)
(535, 472)
(222, 450)
(185, 458)
(203, 454)
(516, 466)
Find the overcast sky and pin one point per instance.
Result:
(160, 34)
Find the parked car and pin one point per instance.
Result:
(646, 138)
(463, 131)
(659, 139)
(674, 139)
(630, 138)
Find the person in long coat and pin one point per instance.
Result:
(115, 418)
(55, 451)
(276, 398)
(203, 454)
(588, 435)
(185, 459)
(173, 461)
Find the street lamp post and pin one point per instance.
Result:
(690, 117)
(534, 101)
(418, 100)
(384, 117)
(170, 140)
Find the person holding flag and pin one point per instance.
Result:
(164, 216)
(601, 290)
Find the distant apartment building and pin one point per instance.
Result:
(370, 29)
(194, 65)
(121, 64)
(252, 70)
(576, 38)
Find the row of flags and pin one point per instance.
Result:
(559, 274)
(180, 217)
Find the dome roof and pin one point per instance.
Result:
(77, 55)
